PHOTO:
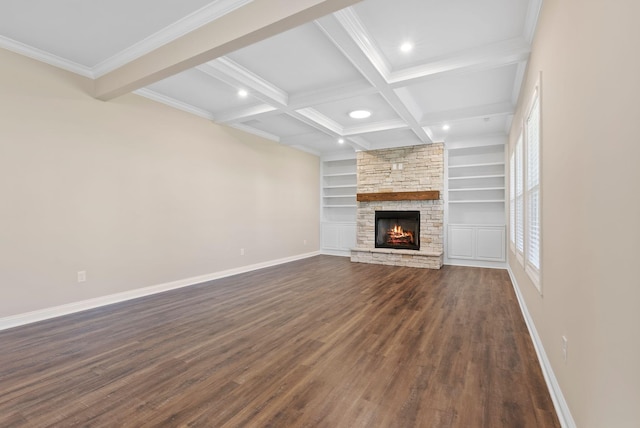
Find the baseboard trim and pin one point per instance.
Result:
(560, 404)
(340, 253)
(70, 308)
(476, 263)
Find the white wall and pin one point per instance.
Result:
(587, 51)
(133, 192)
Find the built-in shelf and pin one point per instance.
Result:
(476, 203)
(338, 192)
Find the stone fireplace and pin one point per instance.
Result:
(401, 180)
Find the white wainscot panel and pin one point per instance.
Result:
(461, 242)
(339, 238)
(490, 243)
(476, 242)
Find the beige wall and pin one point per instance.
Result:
(587, 51)
(134, 192)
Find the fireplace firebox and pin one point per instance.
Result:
(398, 229)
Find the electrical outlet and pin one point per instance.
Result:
(304, 242)
(242, 251)
(565, 344)
(82, 275)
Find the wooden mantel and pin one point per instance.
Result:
(398, 196)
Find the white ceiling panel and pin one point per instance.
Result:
(200, 90)
(280, 125)
(469, 128)
(338, 111)
(89, 32)
(439, 28)
(297, 60)
(465, 90)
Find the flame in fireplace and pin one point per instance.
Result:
(398, 236)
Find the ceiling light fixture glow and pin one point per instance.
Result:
(446, 127)
(406, 47)
(242, 93)
(340, 140)
(359, 114)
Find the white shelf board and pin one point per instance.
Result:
(342, 174)
(339, 206)
(472, 165)
(477, 201)
(474, 189)
(340, 196)
(477, 176)
(343, 186)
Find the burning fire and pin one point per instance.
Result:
(398, 236)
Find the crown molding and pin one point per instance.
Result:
(450, 116)
(375, 127)
(191, 22)
(254, 131)
(485, 57)
(359, 143)
(518, 81)
(531, 20)
(245, 113)
(357, 31)
(236, 75)
(319, 119)
(172, 102)
(47, 58)
(306, 150)
(306, 138)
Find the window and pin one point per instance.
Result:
(519, 201)
(524, 192)
(512, 201)
(532, 190)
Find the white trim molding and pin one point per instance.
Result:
(46, 57)
(559, 402)
(70, 308)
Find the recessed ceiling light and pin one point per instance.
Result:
(445, 127)
(360, 114)
(406, 47)
(242, 93)
(340, 140)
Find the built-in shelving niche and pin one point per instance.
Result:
(338, 191)
(476, 189)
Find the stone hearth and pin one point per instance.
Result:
(406, 169)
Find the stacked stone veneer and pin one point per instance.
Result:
(422, 169)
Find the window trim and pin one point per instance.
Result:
(512, 200)
(532, 271)
(519, 196)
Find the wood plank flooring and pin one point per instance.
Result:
(320, 342)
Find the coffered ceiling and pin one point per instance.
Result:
(306, 73)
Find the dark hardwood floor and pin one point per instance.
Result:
(320, 342)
